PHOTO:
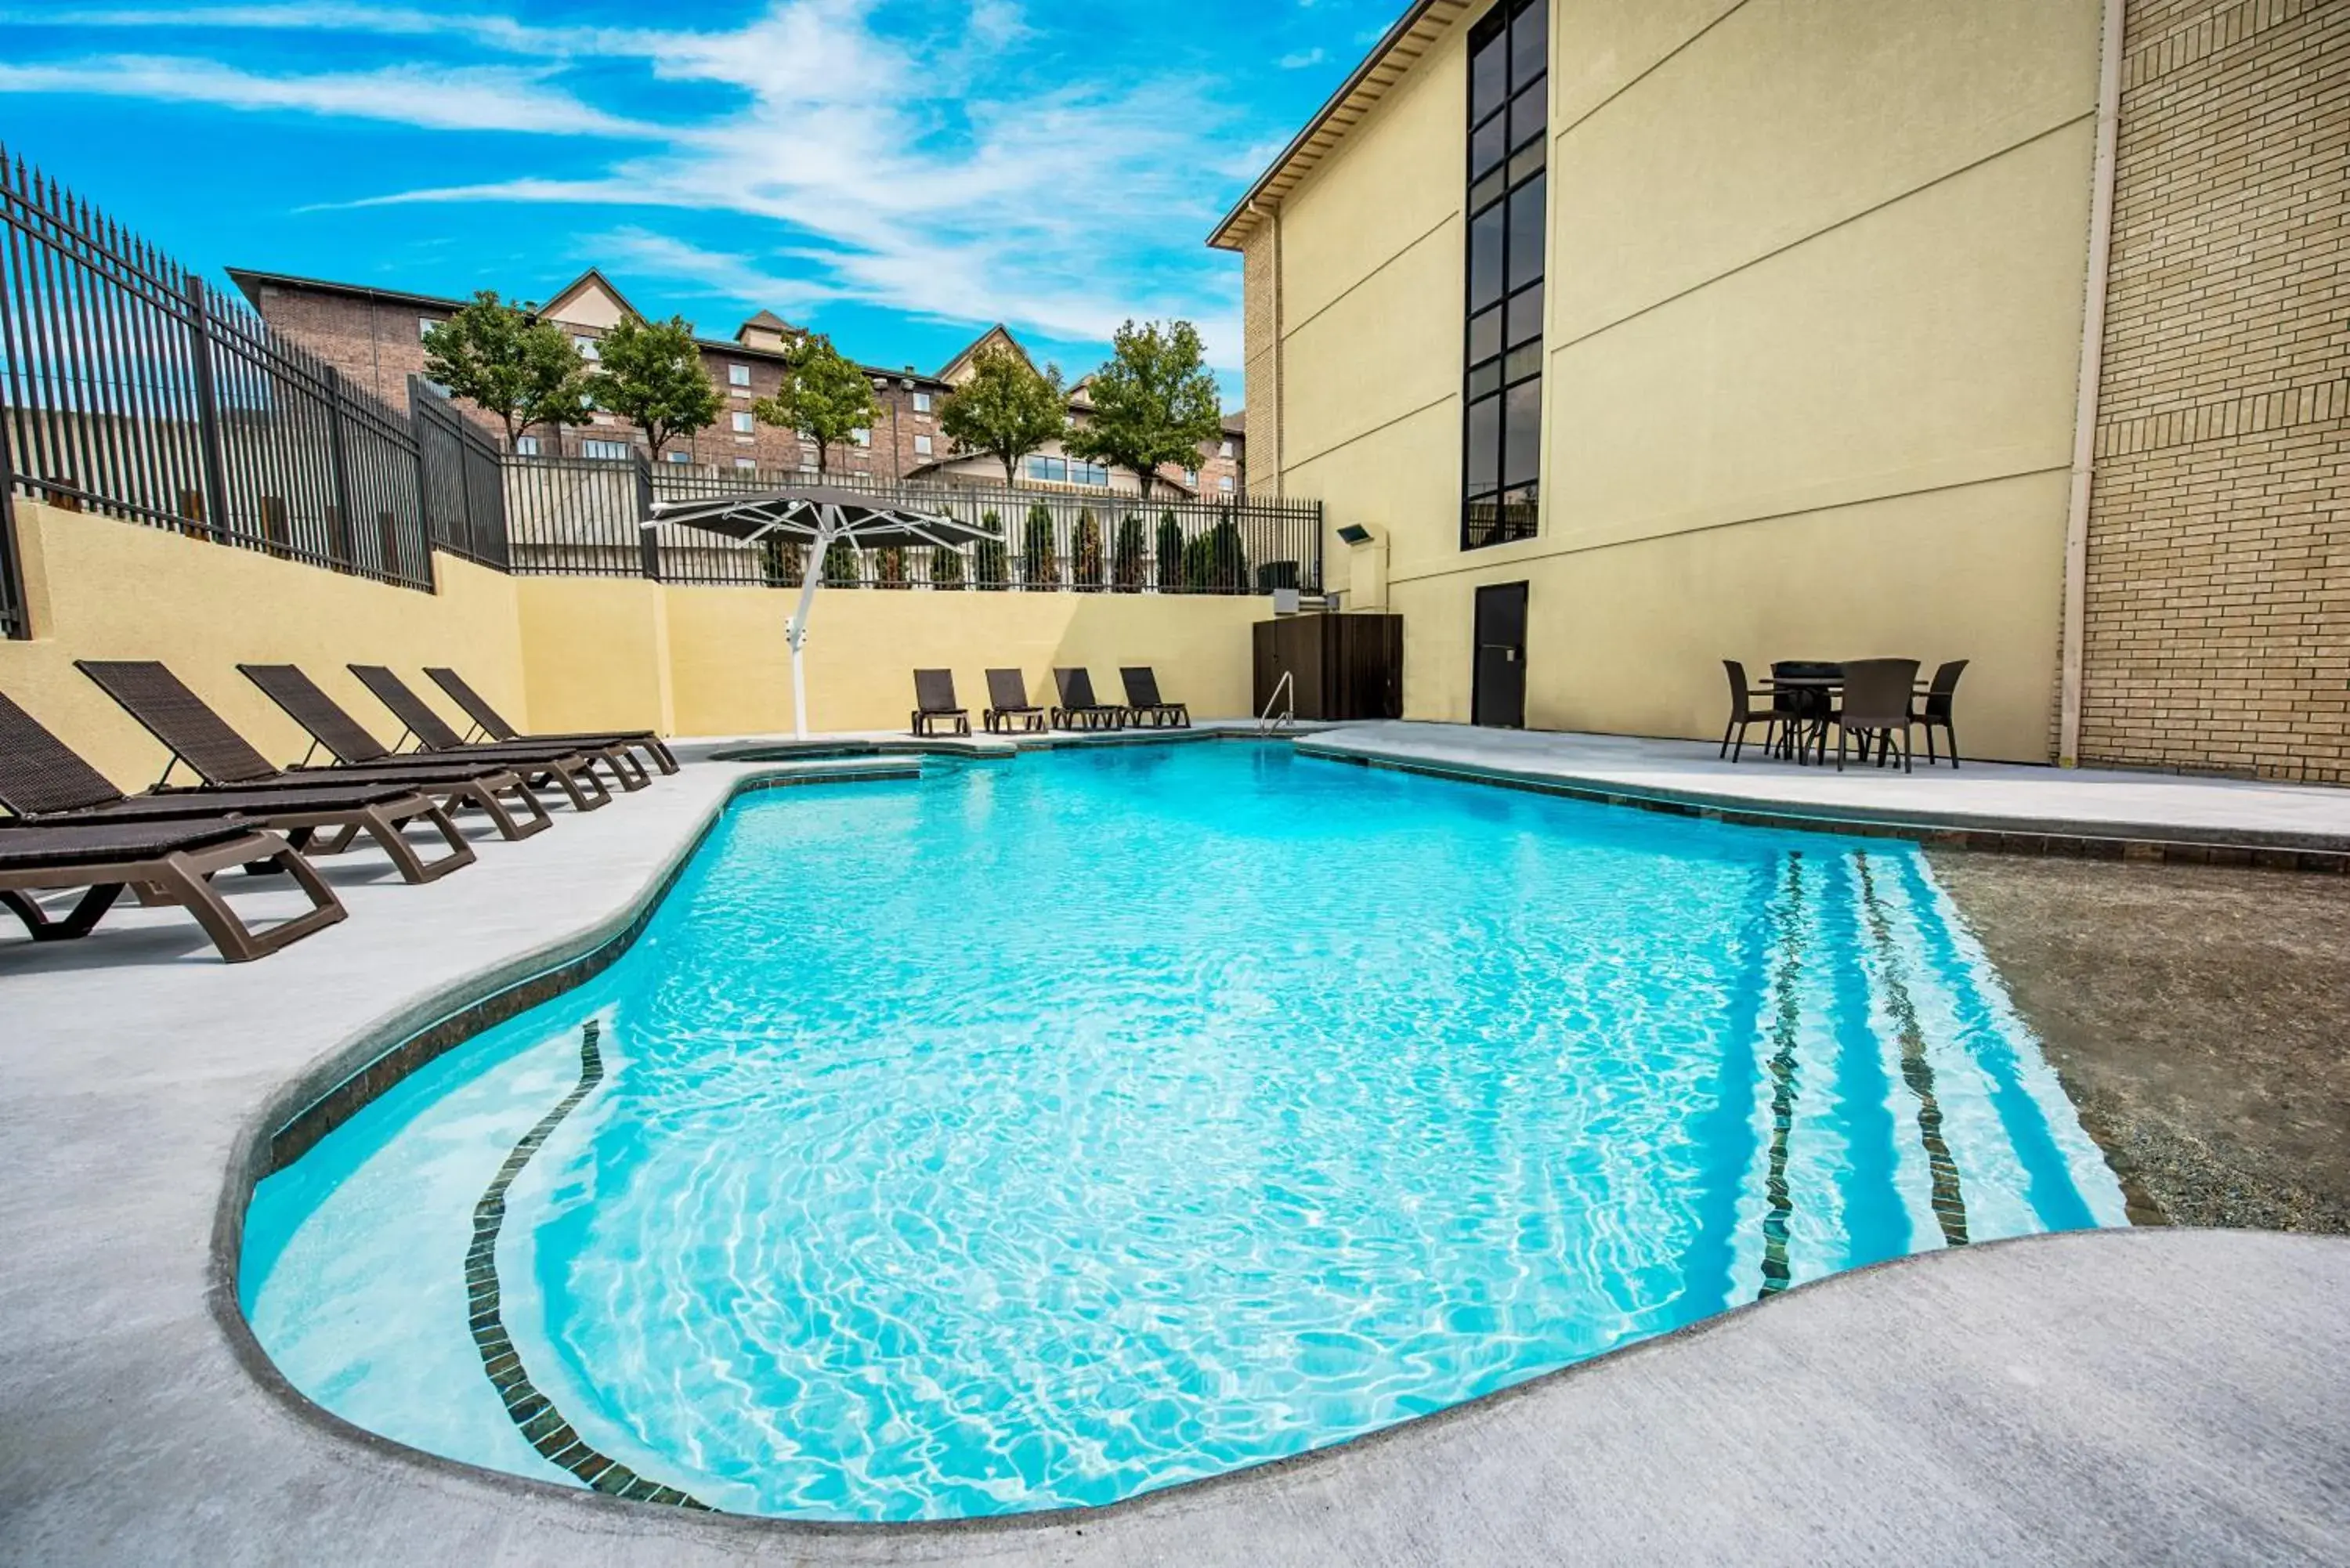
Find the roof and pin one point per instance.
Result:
(591, 279)
(1398, 50)
(971, 351)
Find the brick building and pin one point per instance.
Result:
(374, 336)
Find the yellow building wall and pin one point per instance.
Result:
(1814, 298)
(100, 588)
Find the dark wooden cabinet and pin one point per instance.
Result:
(1342, 665)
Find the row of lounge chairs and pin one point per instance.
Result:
(1009, 711)
(71, 828)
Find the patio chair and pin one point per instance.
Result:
(1877, 705)
(571, 768)
(166, 862)
(1145, 706)
(493, 724)
(45, 781)
(1936, 711)
(1009, 708)
(1744, 713)
(355, 753)
(218, 756)
(934, 698)
(1078, 709)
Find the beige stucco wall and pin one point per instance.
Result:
(1814, 292)
(105, 589)
(558, 653)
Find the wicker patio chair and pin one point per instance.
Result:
(1008, 705)
(494, 726)
(1875, 705)
(1145, 706)
(1078, 709)
(934, 698)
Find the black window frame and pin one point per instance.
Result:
(1493, 511)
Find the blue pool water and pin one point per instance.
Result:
(1043, 1133)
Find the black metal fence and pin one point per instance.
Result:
(461, 476)
(581, 516)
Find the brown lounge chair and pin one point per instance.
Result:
(568, 767)
(1078, 709)
(1145, 706)
(934, 698)
(214, 753)
(359, 754)
(166, 863)
(493, 724)
(1007, 693)
(44, 782)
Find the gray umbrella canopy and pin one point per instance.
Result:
(818, 517)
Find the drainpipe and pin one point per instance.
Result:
(2084, 406)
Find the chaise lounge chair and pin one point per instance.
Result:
(1078, 709)
(44, 782)
(569, 767)
(202, 739)
(1007, 691)
(493, 724)
(356, 752)
(934, 698)
(166, 863)
(1144, 706)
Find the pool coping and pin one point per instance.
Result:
(2264, 849)
(353, 1073)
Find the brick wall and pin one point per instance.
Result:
(1260, 353)
(2218, 627)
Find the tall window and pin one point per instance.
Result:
(1508, 115)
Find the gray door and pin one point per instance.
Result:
(1499, 699)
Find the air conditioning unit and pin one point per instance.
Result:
(1284, 601)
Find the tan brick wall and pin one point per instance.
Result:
(1261, 359)
(2217, 632)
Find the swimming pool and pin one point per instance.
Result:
(1038, 1134)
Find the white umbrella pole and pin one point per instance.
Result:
(796, 629)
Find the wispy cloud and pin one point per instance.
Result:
(1301, 59)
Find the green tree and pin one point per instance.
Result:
(1155, 401)
(890, 565)
(1085, 568)
(825, 397)
(1215, 562)
(502, 359)
(946, 567)
(1007, 409)
(1126, 558)
(650, 374)
(1040, 567)
(841, 568)
(990, 563)
(1171, 553)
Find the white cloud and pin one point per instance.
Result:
(1301, 59)
(474, 97)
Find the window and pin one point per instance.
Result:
(425, 325)
(1500, 439)
(922, 446)
(588, 349)
(746, 462)
(862, 436)
(921, 402)
(738, 375)
(677, 456)
(526, 446)
(1049, 470)
(1225, 484)
(1225, 449)
(604, 449)
(744, 423)
(1192, 477)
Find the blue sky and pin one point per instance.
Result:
(896, 174)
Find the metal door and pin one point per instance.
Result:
(1499, 699)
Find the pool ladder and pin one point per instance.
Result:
(1268, 721)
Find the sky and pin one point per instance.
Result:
(899, 175)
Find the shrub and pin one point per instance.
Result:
(782, 563)
(946, 567)
(1214, 562)
(1127, 557)
(841, 568)
(890, 565)
(1040, 567)
(1086, 567)
(990, 563)
(1171, 553)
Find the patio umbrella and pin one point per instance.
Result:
(818, 518)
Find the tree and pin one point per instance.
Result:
(1007, 409)
(990, 563)
(1085, 570)
(651, 375)
(890, 566)
(842, 569)
(1125, 555)
(825, 397)
(946, 567)
(502, 359)
(1040, 567)
(1171, 553)
(1155, 401)
(1215, 562)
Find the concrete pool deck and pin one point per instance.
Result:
(2126, 1396)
